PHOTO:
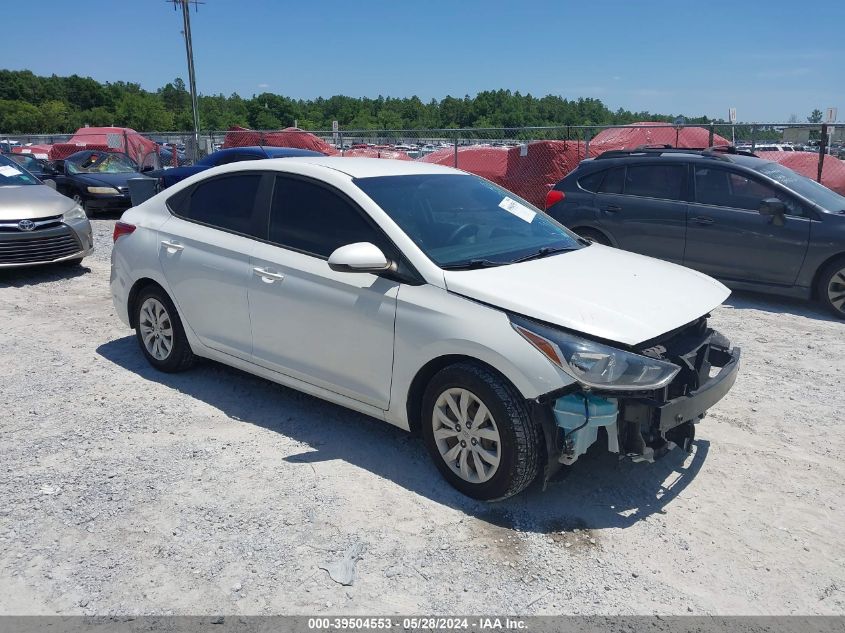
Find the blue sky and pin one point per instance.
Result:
(769, 59)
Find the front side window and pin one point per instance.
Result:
(313, 219)
(723, 188)
(810, 189)
(462, 220)
(227, 203)
(656, 181)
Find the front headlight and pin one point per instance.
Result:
(77, 213)
(594, 364)
(110, 191)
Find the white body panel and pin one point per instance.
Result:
(601, 291)
(358, 339)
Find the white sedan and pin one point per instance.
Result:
(432, 299)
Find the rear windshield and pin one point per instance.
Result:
(13, 175)
(810, 189)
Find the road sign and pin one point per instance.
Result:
(334, 126)
(732, 115)
(831, 115)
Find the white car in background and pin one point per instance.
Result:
(432, 299)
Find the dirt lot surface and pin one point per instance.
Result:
(126, 491)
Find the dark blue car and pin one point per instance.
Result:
(169, 177)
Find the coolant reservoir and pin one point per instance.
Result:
(571, 412)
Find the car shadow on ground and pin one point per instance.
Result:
(30, 276)
(598, 492)
(748, 300)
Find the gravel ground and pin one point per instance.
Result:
(126, 491)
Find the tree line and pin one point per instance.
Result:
(31, 104)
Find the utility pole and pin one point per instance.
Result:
(192, 81)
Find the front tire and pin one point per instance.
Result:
(479, 433)
(831, 288)
(160, 333)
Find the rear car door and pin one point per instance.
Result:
(643, 207)
(204, 251)
(729, 239)
(330, 329)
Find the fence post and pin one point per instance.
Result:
(822, 149)
(587, 136)
(340, 138)
(456, 150)
(753, 138)
(712, 133)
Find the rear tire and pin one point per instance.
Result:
(478, 431)
(831, 287)
(160, 333)
(594, 236)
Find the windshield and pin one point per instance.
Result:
(100, 163)
(459, 220)
(13, 175)
(25, 161)
(810, 189)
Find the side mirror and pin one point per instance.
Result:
(57, 167)
(361, 257)
(772, 206)
(147, 168)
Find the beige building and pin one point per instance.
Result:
(801, 134)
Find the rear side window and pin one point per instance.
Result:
(227, 203)
(313, 219)
(591, 182)
(614, 181)
(655, 181)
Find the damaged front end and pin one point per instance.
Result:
(640, 424)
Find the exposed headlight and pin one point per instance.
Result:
(77, 213)
(594, 364)
(103, 190)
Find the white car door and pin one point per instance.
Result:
(331, 329)
(205, 251)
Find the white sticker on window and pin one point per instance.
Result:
(8, 170)
(519, 210)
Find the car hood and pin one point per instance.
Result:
(597, 290)
(106, 179)
(30, 202)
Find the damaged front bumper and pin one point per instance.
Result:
(642, 426)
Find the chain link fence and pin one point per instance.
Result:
(525, 160)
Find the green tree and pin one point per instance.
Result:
(815, 116)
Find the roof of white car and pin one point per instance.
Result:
(367, 167)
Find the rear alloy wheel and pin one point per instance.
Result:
(831, 289)
(479, 433)
(160, 334)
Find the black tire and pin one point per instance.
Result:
(831, 287)
(594, 236)
(521, 443)
(180, 357)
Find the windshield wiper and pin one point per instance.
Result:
(543, 252)
(473, 264)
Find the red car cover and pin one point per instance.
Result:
(376, 152)
(38, 151)
(109, 139)
(289, 137)
(645, 133)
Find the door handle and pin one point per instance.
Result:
(268, 276)
(172, 246)
(611, 208)
(703, 219)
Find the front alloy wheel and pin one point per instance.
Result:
(466, 435)
(831, 288)
(478, 430)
